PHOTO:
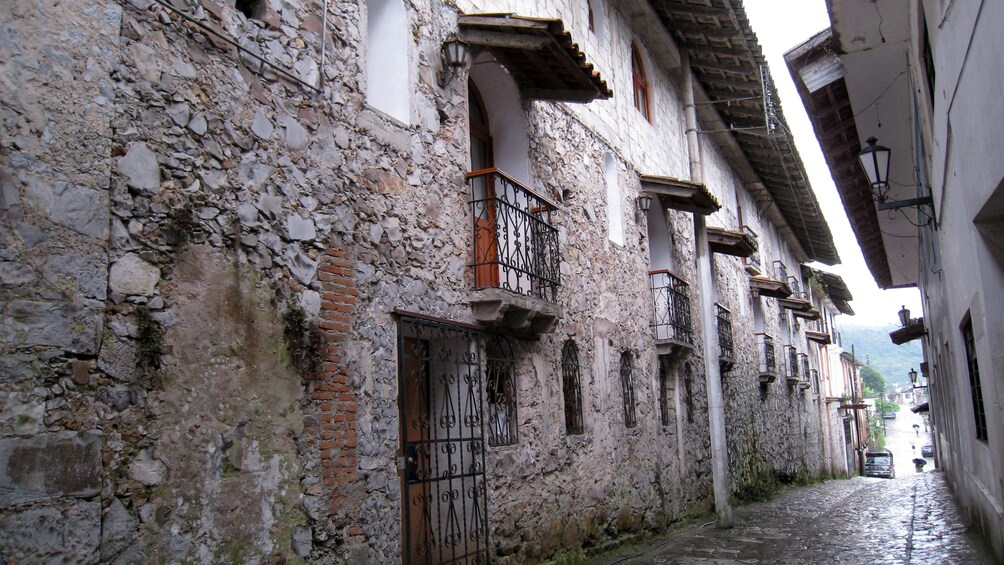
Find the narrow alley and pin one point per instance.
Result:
(910, 519)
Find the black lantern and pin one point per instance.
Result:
(904, 317)
(913, 377)
(644, 202)
(875, 161)
(456, 55)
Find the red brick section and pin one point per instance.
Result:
(334, 399)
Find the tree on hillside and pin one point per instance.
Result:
(872, 379)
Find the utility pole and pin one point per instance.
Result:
(712, 371)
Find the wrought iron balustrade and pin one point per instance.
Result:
(754, 258)
(791, 355)
(796, 288)
(725, 348)
(768, 354)
(780, 272)
(803, 362)
(814, 375)
(672, 307)
(515, 241)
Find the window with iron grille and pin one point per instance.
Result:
(627, 389)
(975, 388)
(500, 392)
(570, 388)
(664, 394)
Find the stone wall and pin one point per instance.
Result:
(202, 256)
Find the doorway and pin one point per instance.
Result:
(444, 504)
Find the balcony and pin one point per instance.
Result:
(753, 264)
(674, 333)
(814, 375)
(516, 260)
(819, 332)
(776, 287)
(726, 351)
(792, 373)
(780, 271)
(798, 302)
(727, 242)
(767, 358)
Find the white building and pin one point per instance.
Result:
(923, 77)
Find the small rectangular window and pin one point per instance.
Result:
(975, 388)
(500, 389)
(627, 389)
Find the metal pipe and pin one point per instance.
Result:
(712, 370)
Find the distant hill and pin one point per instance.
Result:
(872, 345)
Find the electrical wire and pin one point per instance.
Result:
(881, 94)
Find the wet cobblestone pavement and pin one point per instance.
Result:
(910, 519)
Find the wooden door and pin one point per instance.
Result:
(486, 270)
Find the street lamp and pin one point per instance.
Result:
(913, 378)
(456, 54)
(875, 161)
(904, 316)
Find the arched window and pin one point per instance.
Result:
(570, 388)
(387, 86)
(500, 388)
(640, 80)
(627, 389)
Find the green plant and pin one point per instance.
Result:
(149, 343)
(303, 340)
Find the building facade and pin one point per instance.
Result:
(280, 281)
(920, 80)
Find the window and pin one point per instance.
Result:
(627, 389)
(596, 14)
(387, 86)
(570, 388)
(975, 388)
(500, 388)
(664, 394)
(641, 92)
(615, 216)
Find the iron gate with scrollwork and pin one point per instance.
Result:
(444, 502)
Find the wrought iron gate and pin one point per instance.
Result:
(444, 502)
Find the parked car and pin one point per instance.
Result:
(889, 415)
(927, 451)
(879, 464)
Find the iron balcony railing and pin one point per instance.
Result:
(780, 272)
(672, 307)
(515, 242)
(796, 288)
(791, 354)
(725, 348)
(814, 375)
(753, 259)
(768, 354)
(803, 362)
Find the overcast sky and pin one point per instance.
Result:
(781, 25)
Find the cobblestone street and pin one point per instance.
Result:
(910, 519)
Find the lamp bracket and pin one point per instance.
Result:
(897, 204)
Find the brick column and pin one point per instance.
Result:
(335, 400)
